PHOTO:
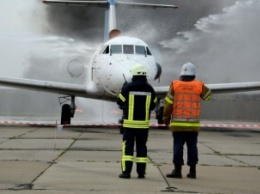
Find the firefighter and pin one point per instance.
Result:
(182, 111)
(137, 99)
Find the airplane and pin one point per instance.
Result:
(110, 66)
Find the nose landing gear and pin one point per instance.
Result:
(67, 111)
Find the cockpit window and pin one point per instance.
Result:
(105, 50)
(128, 49)
(140, 50)
(116, 49)
(148, 51)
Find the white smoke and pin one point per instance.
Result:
(224, 47)
(30, 49)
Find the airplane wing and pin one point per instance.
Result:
(105, 3)
(133, 4)
(83, 91)
(219, 88)
(77, 3)
(45, 86)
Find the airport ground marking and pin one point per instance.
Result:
(205, 125)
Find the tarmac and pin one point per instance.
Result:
(35, 159)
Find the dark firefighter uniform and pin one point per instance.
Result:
(137, 99)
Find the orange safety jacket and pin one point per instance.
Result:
(184, 99)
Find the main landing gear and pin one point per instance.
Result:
(67, 111)
(159, 114)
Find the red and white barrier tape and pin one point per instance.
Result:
(256, 126)
(209, 125)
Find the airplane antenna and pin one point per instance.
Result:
(125, 79)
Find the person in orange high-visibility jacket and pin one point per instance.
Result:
(182, 111)
(137, 99)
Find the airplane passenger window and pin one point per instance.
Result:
(105, 50)
(128, 49)
(140, 50)
(116, 49)
(148, 51)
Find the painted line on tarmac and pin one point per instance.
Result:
(209, 125)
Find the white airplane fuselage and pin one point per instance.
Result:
(111, 64)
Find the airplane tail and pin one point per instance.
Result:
(110, 20)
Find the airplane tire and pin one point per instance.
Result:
(121, 129)
(65, 114)
(160, 119)
(160, 122)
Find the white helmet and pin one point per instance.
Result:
(188, 69)
(138, 70)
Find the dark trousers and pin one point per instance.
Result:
(179, 139)
(130, 137)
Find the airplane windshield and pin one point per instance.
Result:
(105, 50)
(148, 51)
(116, 49)
(140, 50)
(128, 49)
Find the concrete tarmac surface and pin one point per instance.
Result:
(75, 160)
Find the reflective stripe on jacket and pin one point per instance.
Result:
(138, 116)
(137, 99)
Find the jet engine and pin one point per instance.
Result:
(75, 68)
(159, 71)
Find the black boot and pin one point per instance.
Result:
(141, 176)
(192, 173)
(125, 175)
(176, 173)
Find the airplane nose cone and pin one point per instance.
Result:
(120, 76)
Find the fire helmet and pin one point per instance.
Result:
(138, 70)
(188, 69)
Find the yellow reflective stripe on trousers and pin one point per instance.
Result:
(136, 124)
(125, 157)
(141, 160)
(184, 124)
